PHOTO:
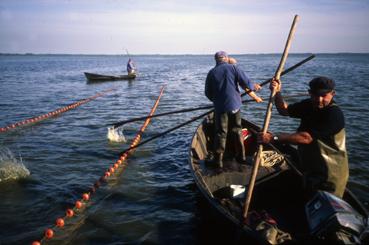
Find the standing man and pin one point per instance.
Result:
(320, 136)
(131, 68)
(222, 88)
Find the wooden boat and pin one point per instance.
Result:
(279, 212)
(92, 77)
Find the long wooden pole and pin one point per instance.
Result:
(267, 119)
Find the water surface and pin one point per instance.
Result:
(155, 199)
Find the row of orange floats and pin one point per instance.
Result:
(81, 203)
(53, 113)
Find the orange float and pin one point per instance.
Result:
(78, 204)
(49, 233)
(69, 212)
(85, 196)
(60, 222)
(53, 113)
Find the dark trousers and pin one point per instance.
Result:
(228, 123)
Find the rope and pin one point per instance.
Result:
(81, 203)
(271, 158)
(52, 113)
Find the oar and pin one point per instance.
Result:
(267, 119)
(120, 123)
(167, 113)
(290, 68)
(128, 54)
(188, 122)
(166, 132)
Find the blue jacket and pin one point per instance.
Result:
(222, 89)
(130, 66)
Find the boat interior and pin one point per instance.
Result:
(277, 193)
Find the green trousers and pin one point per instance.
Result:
(228, 123)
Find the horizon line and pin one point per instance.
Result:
(183, 54)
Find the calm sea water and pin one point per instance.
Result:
(155, 201)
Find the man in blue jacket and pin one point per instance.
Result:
(222, 88)
(131, 68)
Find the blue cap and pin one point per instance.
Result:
(220, 54)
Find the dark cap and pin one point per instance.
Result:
(220, 55)
(321, 85)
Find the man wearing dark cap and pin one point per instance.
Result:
(320, 136)
(222, 88)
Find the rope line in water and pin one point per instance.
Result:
(53, 113)
(81, 203)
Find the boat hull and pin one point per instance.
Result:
(93, 77)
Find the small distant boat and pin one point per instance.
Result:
(92, 77)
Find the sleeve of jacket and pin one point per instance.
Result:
(243, 80)
(208, 90)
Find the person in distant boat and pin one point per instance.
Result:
(222, 88)
(320, 137)
(131, 68)
(251, 93)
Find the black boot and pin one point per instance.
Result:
(243, 161)
(209, 159)
(218, 160)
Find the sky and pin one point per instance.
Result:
(182, 26)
